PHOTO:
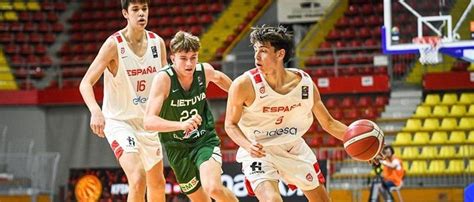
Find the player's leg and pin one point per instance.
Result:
(208, 159)
(261, 175)
(131, 165)
(319, 194)
(267, 191)
(152, 159)
(210, 172)
(155, 182)
(199, 195)
(186, 172)
(297, 157)
(123, 142)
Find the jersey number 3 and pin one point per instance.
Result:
(279, 120)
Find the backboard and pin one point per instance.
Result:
(448, 20)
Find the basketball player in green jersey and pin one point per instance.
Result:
(178, 110)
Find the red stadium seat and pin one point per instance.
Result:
(176, 10)
(40, 49)
(352, 10)
(357, 21)
(348, 102)
(202, 8)
(24, 16)
(11, 49)
(6, 38)
(369, 113)
(29, 27)
(331, 103)
(367, 9)
(206, 19)
(26, 49)
(337, 113)
(216, 7)
(381, 70)
(364, 101)
(343, 22)
(189, 9)
(381, 100)
(22, 38)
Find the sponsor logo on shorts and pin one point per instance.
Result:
(256, 168)
(309, 177)
(277, 132)
(131, 141)
(186, 187)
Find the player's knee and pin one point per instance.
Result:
(137, 182)
(214, 189)
(157, 183)
(270, 197)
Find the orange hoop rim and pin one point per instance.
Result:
(434, 41)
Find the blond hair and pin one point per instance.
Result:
(184, 41)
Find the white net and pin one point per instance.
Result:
(429, 49)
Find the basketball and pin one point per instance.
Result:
(363, 140)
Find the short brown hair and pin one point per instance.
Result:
(278, 37)
(184, 41)
(126, 3)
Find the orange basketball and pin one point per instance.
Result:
(363, 140)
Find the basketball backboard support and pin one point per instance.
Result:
(405, 20)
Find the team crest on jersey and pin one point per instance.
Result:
(154, 51)
(304, 92)
(262, 89)
(200, 80)
(309, 177)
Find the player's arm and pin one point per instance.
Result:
(164, 60)
(217, 77)
(159, 92)
(392, 164)
(329, 124)
(239, 93)
(106, 54)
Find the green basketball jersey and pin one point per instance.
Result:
(182, 105)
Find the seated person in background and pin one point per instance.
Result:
(393, 171)
(391, 175)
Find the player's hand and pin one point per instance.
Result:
(377, 159)
(256, 150)
(191, 124)
(98, 123)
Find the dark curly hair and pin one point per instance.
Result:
(278, 37)
(126, 3)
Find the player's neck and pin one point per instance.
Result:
(185, 80)
(276, 77)
(134, 36)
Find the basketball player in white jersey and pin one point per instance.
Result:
(129, 59)
(269, 109)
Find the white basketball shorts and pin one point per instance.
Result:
(130, 137)
(294, 163)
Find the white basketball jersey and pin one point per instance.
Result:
(273, 118)
(125, 95)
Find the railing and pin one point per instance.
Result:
(28, 174)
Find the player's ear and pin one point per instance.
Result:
(125, 13)
(281, 53)
(172, 58)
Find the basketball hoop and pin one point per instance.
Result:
(429, 49)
